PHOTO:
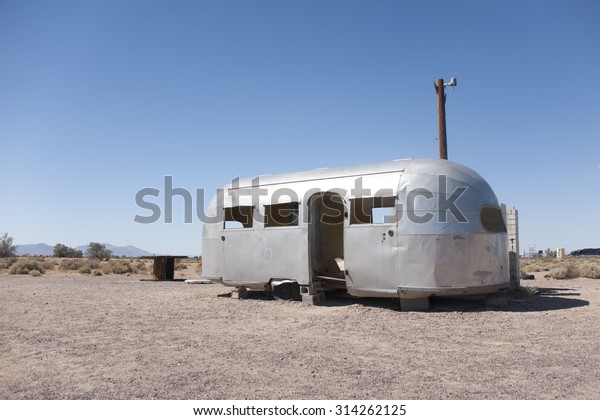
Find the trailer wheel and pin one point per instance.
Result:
(286, 291)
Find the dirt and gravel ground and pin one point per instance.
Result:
(115, 337)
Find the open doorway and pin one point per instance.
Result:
(327, 212)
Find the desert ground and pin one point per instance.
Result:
(74, 336)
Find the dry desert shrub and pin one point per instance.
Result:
(535, 265)
(531, 268)
(140, 268)
(568, 268)
(590, 270)
(69, 264)
(117, 267)
(542, 263)
(85, 270)
(564, 271)
(526, 262)
(80, 265)
(46, 263)
(5, 263)
(124, 267)
(35, 273)
(26, 266)
(528, 291)
(89, 266)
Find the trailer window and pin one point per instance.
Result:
(238, 217)
(492, 220)
(284, 214)
(373, 210)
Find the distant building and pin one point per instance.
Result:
(586, 252)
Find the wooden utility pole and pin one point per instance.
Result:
(439, 88)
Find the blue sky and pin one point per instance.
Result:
(99, 99)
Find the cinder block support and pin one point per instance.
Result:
(239, 293)
(512, 227)
(315, 299)
(311, 296)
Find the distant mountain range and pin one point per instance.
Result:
(48, 250)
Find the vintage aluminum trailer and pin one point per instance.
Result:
(408, 229)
